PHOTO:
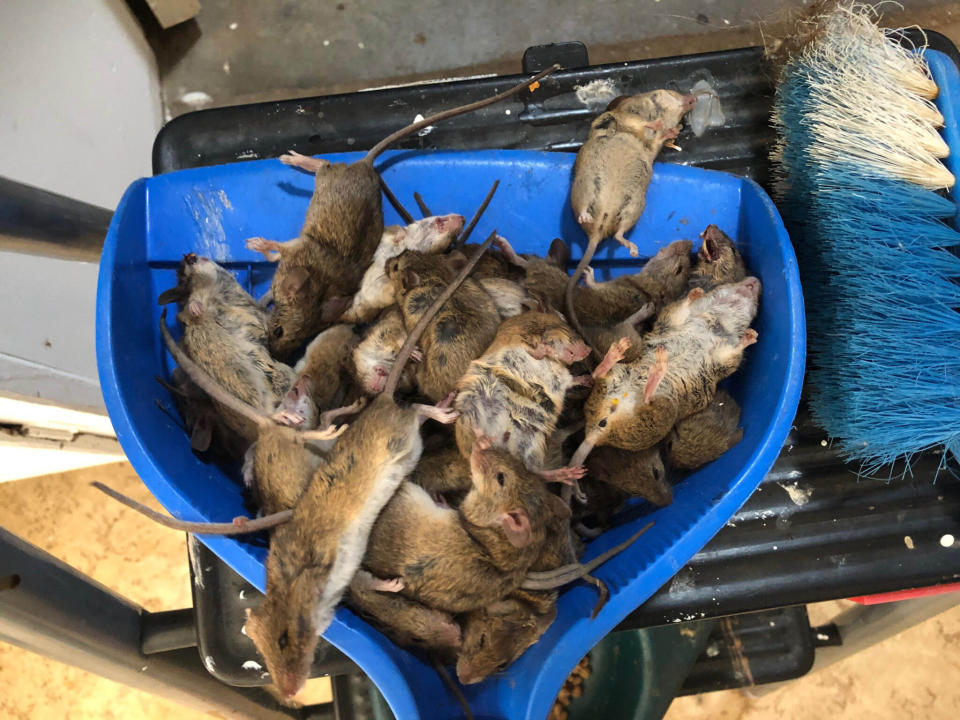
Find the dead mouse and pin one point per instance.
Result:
(704, 436)
(637, 473)
(328, 365)
(459, 561)
(662, 280)
(225, 333)
(408, 623)
(509, 297)
(445, 474)
(718, 261)
(318, 272)
(552, 579)
(460, 332)
(514, 392)
(376, 354)
(429, 235)
(495, 636)
(695, 343)
(613, 170)
(314, 556)
(207, 429)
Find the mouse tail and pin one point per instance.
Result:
(205, 382)
(452, 687)
(465, 233)
(434, 119)
(569, 303)
(239, 526)
(414, 337)
(602, 590)
(550, 579)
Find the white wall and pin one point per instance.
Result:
(79, 97)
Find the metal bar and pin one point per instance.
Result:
(49, 608)
(169, 630)
(39, 222)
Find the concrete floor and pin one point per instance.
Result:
(246, 52)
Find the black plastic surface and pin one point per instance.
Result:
(753, 649)
(221, 599)
(832, 534)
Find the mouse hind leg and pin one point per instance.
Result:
(304, 162)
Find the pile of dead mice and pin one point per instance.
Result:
(453, 536)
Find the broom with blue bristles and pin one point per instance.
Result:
(857, 175)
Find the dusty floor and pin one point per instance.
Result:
(913, 675)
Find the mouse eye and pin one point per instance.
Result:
(602, 423)
(483, 640)
(501, 667)
(278, 331)
(679, 269)
(283, 640)
(500, 478)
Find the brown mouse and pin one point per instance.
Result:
(318, 272)
(445, 474)
(718, 262)
(328, 364)
(207, 429)
(461, 560)
(429, 235)
(375, 355)
(314, 556)
(495, 636)
(408, 623)
(460, 332)
(637, 473)
(695, 343)
(514, 392)
(662, 280)
(225, 333)
(704, 436)
(613, 170)
(509, 297)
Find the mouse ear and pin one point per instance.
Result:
(617, 101)
(174, 294)
(516, 526)
(456, 261)
(293, 282)
(559, 252)
(557, 506)
(410, 279)
(605, 121)
(332, 309)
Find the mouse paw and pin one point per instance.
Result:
(447, 402)
(645, 312)
(749, 338)
(270, 249)
(566, 475)
(695, 294)
(584, 380)
(288, 418)
(615, 353)
(440, 500)
(632, 247)
(434, 412)
(416, 355)
(504, 246)
(589, 279)
(195, 307)
(585, 218)
(386, 584)
(304, 162)
(240, 521)
(330, 433)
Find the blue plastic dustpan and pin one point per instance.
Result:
(213, 210)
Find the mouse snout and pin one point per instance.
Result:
(190, 258)
(449, 223)
(574, 351)
(288, 683)
(688, 102)
(466, 673)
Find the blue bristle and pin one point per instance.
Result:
(879, 275)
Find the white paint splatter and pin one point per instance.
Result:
(243, 630)
(712, 650)
(233, 26)
(423, 131)
(597, 93)
(798, 496)
(226, 66)
(507, 111)
(252, 665)
(143, 669)
(326, 43)
(822, 637)
(210, 664)
(360, 45)
(206, 207)
(196, 99)
(823, 443)
(243, 594)
(194, 554)
(947, 540)
(908, 541)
